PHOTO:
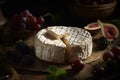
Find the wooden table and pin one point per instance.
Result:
(84, 74)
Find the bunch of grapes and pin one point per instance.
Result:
(95, 2)
(26, 21)
(110, 63)
(22, 54)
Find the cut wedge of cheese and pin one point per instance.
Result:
(51, 32)
(60, 44)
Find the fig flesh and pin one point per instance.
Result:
(92, 26)
(109, 31)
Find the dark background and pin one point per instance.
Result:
(59, 8)
(36, 6)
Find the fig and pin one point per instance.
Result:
(92, 26)
(109, 31)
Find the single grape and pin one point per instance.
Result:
(27, 60)
(32, 19)
(40, 20)
(108, 56)
(98, 70)
(37, 27)
(77, 65)
(25, 13)
(23, 19)
(116, 50)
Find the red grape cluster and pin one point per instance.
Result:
(110, 63)
(95, 2)
(26, 21)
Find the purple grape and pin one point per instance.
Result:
(116, 50)
(77, 65)
(25, 13)
(108, 56)
(98, 70)
(40, 20)
(32, 19)
(36, 27)
(23, 19)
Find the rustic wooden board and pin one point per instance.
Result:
(41, 66)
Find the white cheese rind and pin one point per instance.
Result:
(80, 42)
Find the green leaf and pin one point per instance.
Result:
(52, 69)
(56, 74)
(61, 72)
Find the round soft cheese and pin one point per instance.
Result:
(60, 44)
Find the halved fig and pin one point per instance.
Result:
(109, 31)
(92, 26)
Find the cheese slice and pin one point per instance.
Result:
(65, 44)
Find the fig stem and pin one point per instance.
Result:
(100, 23)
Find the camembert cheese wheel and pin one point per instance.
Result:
(61, 44)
